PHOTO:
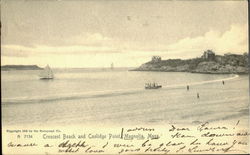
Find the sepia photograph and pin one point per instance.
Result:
(124, 77)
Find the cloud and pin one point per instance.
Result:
(235, 40)
(93, 39)
(84, 43)
(17, 50)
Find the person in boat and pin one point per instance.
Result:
(148, 85)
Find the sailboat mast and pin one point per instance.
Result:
(112, 66)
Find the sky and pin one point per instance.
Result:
(96, 33)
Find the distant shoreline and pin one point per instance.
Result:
(208, 63)
(20, 67)
(243, 73)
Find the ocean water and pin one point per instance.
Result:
(92, 96)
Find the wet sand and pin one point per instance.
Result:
(216, 103)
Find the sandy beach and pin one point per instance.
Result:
(171, 104)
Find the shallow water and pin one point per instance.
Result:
(81, 96)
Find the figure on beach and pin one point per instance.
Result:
(223, 82)
(187, 87)
(198, 95)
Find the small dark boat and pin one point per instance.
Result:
(152, 86)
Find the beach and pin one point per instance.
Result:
(124, 102)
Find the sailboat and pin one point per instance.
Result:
(46, 74)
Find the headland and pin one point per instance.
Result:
(208, 63)
(20, 67)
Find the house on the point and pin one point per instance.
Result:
(156, 59)
(208, 55)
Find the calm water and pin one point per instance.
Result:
(114, 96)
(25, 85)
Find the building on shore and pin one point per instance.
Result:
(156, 59)
(208, 55)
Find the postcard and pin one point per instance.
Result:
(124, 77)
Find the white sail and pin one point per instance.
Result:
(47, 73)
